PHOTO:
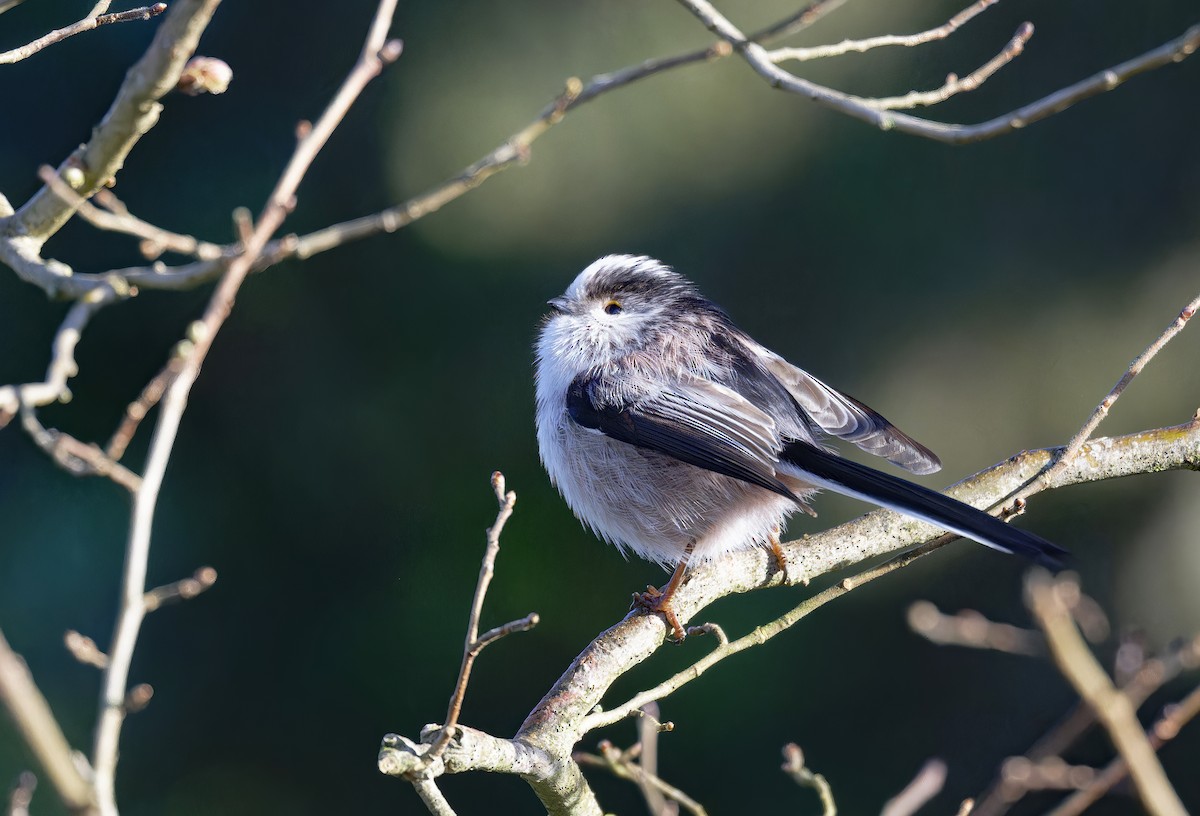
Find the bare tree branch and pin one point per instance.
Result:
(760, 60)
(970, 628)
(953, 85)
(624, 765)
(116, 218)
(1021, 774)
(925, 785)
(133, 113)
(57, 278)
(93, 20)
(1113, 708)
(34, 720)
(475, 644)
(1173, 719)
(860, 46)
(793, 766)
(76, 457)
(62, 357)
(21, 795)
(377, 52)
(542, 748)
(1135, 368)
(184, 589)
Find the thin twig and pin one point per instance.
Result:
(1135, 368)
(797, 22)
(115, 218)
(136, 411)
(649, 727)
(1113, 708)
(953, 84)
(474, 642)
(924, 786)
(84, 649)
(907, 40)
(76, 457)
(1149, 676)
(62, 356)
(1167, 728)
(182, 590)
(57, 278)
(760, 635)
(40, 730)
(21, 796)
(623, 764)
(86, 24)
(759, 59)
(377, 52)
(970, 628)
(793, 766)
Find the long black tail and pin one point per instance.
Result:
(828, 470)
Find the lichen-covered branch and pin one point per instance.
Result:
(542, 749)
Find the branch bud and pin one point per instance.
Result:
(204, 75)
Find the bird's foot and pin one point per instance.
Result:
(654, 600)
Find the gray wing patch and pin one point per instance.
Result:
(698, 422)
(843, 416)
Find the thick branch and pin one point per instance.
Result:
(562, 716)
(133, 113)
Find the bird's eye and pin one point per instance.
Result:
(612, 308)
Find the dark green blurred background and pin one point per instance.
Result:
(334, 459)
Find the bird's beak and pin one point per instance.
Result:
(558, 304)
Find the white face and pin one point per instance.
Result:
(592, 319)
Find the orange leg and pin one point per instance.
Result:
(656, 600)
(777, 552)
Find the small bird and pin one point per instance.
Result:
(674, 435)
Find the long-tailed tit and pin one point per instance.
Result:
(674, 435)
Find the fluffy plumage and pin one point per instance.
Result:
(665, 426)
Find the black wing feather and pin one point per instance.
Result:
(845, 476)
(659, 427)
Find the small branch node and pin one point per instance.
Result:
(138, 698)
(710, 629)
(84, 649)
(182, 590)
(21, 795)
(794, 766)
